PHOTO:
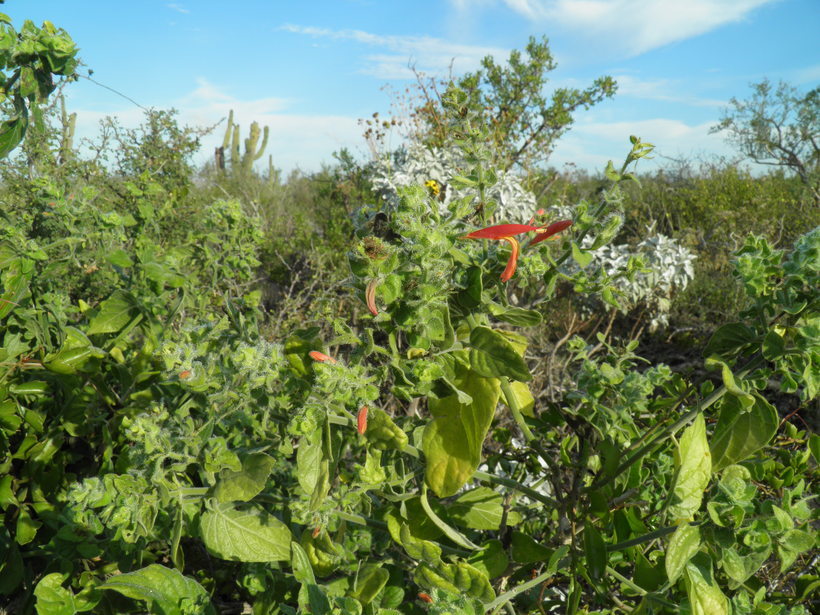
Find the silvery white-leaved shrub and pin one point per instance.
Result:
(414, 164)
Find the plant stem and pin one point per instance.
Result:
(515, 408)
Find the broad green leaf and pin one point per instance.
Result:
(492, 356)
(729, 339)
(492, 560)
(423, 550)
(382, 433)
(704, 593)
(582, 257)
(773, 345)
(26, 527)
(167, 591)
(114, 313)
(525, 550)
(245, 535)
(456, 579)
(516, 316)
(300, 562)
(694, 464)
(244, 485)
(453, 440)
(746, 400)
(369, 583)
(11, 134)
(11, 563)
(52, 597)
(740, 433)
(120, 258)
(683, 545)
(308, 460)
(480, 509)
(595, 552)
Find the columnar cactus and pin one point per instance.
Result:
(253, 150)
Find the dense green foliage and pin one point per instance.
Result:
(204, 408)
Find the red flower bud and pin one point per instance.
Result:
(321, 357)
(361, 420)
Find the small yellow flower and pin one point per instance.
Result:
(433, 186)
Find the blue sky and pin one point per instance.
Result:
(310, 69)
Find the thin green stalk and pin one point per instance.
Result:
(506, 597)
(515, 408)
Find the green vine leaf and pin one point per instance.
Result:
(453, 440)
(166, 591)
(694, 463)
(245, 535)
(741, 432)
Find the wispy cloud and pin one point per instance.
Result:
(591, 144)
(633, 26)
(400, 53)
(666, 90)
(295, 140)
(178, 8)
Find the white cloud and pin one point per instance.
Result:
(661, 89)
(590, 145)
(178, 8)
(427, 54)
(632, 26)
(295, 140)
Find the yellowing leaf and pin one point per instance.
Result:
(452, 441)
(694, 463)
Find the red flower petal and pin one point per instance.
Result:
(370, 297)
(512, 263)
(501, 231)
(361, 420)
(321, 357)
(552, 229)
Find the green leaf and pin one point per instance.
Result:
(120, 258)
(704, 593)
(11, 134)
(814, 446)
(244, 485)
(382, 433)
(739, 434)
(451, 533)
(52, 597)
(453, 440)
(492, 355)
(728, 340)
(245, 535)
(308, 459)
(683, 545)
(525, 550)
(595, 552)
(302, 570)
(480, 509)
(694, 465)
(114, 313)
(11, 563)
(582, 257)
(167, 591)
(773, 346)
(26, 527)
(369, 582)
(516, 316)
(745, 399)
(492, 560)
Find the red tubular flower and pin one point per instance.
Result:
(361, 420)
(553, 229)
(504, 232)
(370, 297)
(321, 357)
